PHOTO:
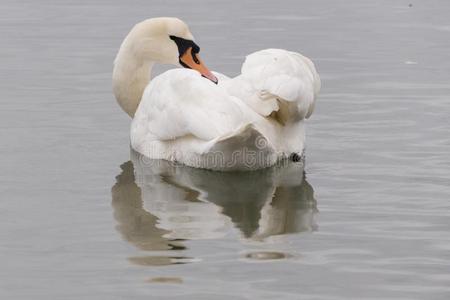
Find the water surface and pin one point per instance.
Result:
(367, 216)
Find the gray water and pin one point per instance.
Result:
(369, 219)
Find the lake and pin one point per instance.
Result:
(367, 216)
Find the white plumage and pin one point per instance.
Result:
(247, 122)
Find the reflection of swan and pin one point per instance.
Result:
(183, 117)
(292, 209)
(165, 203)
(136, 225)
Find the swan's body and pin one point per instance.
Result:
(248, 122)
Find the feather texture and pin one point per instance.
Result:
(185, 117)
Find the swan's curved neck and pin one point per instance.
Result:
(130, 77)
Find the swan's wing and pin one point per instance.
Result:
(181, 103)
(273, 77)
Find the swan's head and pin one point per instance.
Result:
(167, 41)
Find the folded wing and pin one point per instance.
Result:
(277, 81)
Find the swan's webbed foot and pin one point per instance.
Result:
(295, 157)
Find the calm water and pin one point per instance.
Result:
(369, 219)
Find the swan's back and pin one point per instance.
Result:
(186, 118)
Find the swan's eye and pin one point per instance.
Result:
(195, 47)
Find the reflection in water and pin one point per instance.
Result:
(138, 226)
(165, 280)
(159, 260)
(158, 204)
(266, 255)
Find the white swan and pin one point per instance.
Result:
(248, 122)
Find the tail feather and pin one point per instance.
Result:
(244, 149)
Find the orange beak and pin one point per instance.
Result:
(192, 61)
